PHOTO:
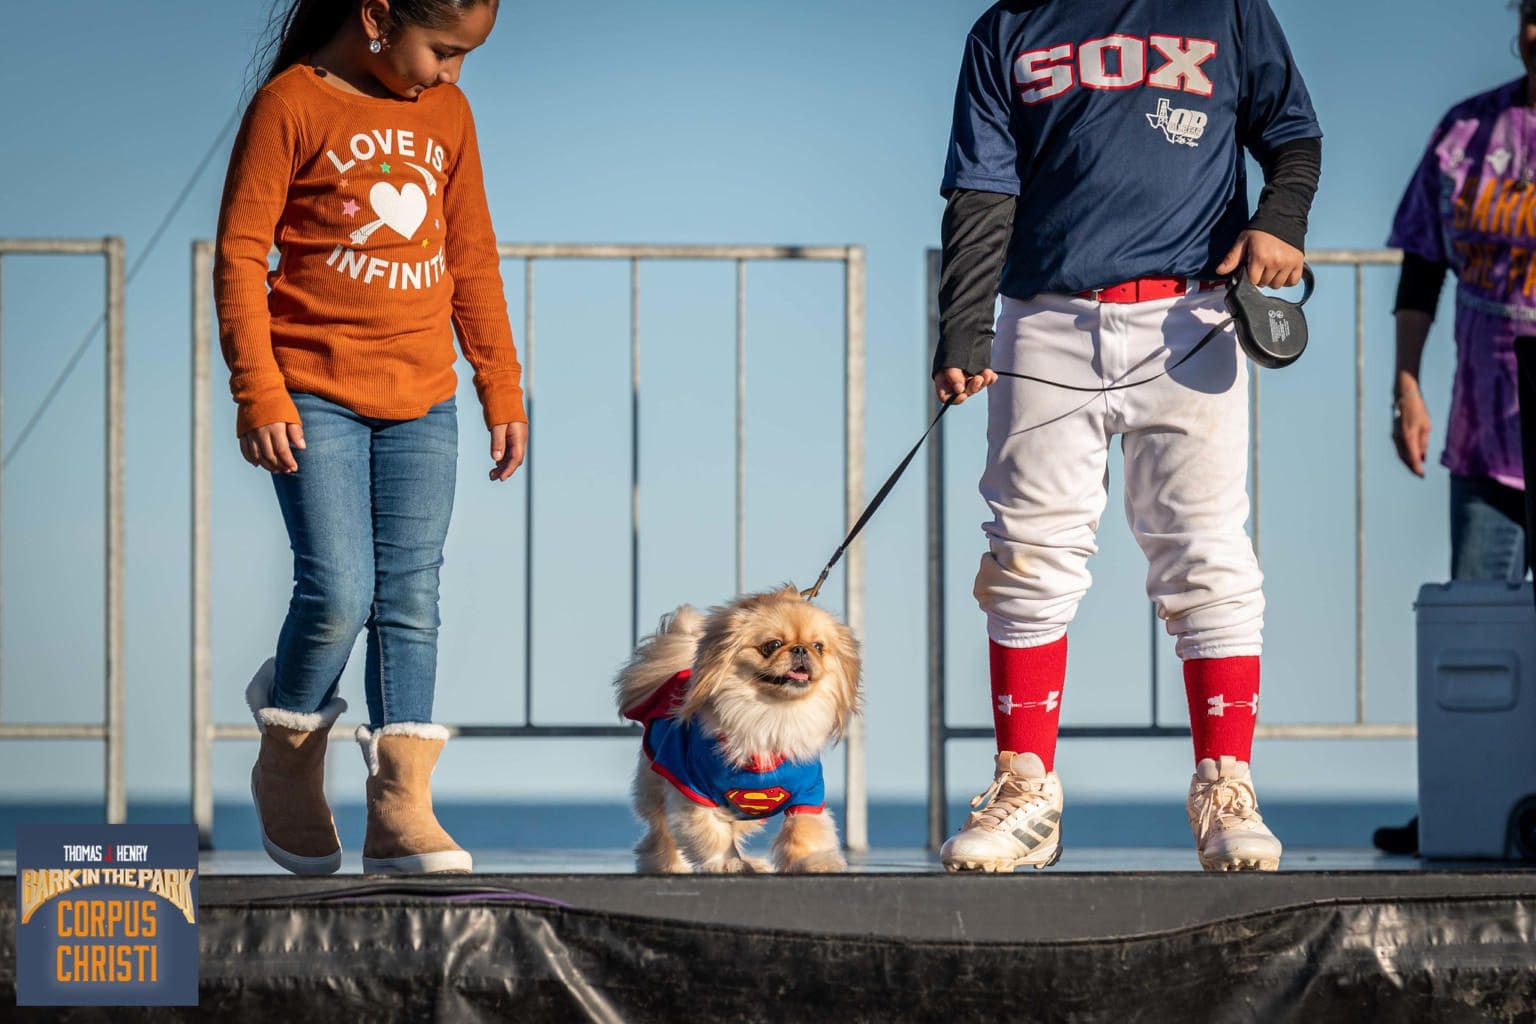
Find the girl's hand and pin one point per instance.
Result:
(1271, 262)
(271, 447)
(509, 442)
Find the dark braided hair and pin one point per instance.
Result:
(296, 28)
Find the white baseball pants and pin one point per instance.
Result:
(1185, 440)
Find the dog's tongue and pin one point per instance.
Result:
(797, 675)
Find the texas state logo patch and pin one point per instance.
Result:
(758, 801)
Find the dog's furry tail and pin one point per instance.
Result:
(659, 657)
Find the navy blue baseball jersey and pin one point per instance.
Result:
(1120, 125)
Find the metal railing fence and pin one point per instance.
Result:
(205, 732)
(940, 731)
(110, 729)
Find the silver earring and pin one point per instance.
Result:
(374, 46)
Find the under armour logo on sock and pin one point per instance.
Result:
(1007, 705)
(1218, 705)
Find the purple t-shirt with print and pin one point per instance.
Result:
(1472, 204)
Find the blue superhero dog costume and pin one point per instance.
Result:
(694, 763)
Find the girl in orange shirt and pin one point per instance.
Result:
(358, 159)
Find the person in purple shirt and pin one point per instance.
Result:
(1470, 208)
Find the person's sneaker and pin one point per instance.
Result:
(1017, 821)
(1224, 816)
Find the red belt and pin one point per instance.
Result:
(1144, 289)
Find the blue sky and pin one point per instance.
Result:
(675, 121)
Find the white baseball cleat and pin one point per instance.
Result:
(1224, 816)
(1018, 821)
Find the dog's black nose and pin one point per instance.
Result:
(798, 649)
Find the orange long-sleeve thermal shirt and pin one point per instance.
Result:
(377, 207)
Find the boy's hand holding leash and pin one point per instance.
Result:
(509, 442)
(1271, 262)
(271, 447)
(951, 382)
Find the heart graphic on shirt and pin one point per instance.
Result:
(402, 210)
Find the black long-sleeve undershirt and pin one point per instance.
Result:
(1419, 284)
(1291, 173)
(977, 229)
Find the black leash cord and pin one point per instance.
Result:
(1102, 389)
(880, 495)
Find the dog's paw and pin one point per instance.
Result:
(674, 865)
(657, 854)
(823, 863)
(735, 866)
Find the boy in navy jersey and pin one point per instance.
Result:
(1096, 181)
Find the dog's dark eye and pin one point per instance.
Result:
(771, 646)
(820, 647)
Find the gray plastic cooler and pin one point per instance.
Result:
(1477, 720)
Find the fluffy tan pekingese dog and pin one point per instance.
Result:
(737, 705)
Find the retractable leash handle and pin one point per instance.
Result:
(1271, 330)
(875, 502)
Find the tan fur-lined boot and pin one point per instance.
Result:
(404, 837)
(288, 780)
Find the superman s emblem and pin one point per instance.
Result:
(758, 801)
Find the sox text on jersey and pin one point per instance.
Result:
(1114, 62)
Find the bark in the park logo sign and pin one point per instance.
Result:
(106, 915)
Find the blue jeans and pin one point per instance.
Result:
(367, 514)
(1487, 530)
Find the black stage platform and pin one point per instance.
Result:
(1114, 945)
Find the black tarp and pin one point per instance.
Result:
(483, 954)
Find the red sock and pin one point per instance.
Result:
(1223, 705)
(1026, 697)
